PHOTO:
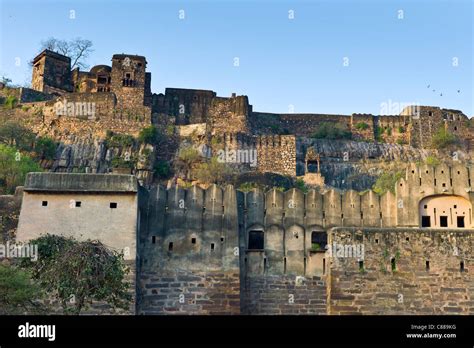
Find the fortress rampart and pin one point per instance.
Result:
(223, 251)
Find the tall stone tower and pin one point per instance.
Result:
(130, 82)
(51, 73)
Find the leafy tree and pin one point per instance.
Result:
(443, 138)
(77, 273)
(386, 182)
(77, 49)
(17, 291)
(300, 184)
(328, 130)
(13, 168)
(45, 148)
(150, 135)
(212, 172)
(188, 157)
(162, 169)
(14, 134)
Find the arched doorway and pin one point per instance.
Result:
(445, 211)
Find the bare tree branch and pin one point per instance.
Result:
(77, 49)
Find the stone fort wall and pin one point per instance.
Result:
(200, 248)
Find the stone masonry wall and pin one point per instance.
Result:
(182, 292)
(273, 295)
(403, 272)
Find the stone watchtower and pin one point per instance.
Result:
(51, 73)
(130, 82)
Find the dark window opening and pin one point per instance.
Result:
(312, 166)
(461, 266)
(425, 221)
(78, 204)
(153, 239)
(212, 246)
(407, 239)
(376, 241)
(460, 221)
(455, 206)
(443, 221)
(170, 246)
(256, 240)
(361, 265)
(222, 239)
(113, 205)
(193, 240)
(427, 265)
(394, 265)
(319, 240)
(102, 80)
(425, 206)
(324, 266)
(44, 203)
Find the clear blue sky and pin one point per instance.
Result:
(283, 62)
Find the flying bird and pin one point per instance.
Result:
(428, 86)
(441, 94)
(459, 91)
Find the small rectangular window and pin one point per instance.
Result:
(113, 205)
(78, 204)
(170, 246)
(443, 221)
(460, 221)
(425, 221)
(212, 246)
(193, 240)
(256, 240)
(153, 239)
(44, 203)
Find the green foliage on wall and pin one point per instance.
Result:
(386, 182)
(328, 130)
(442, 139)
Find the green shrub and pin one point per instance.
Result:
(386, 182)
(247, 186)
(13, 168)
(432, 161)
(328, 130)
(14, 134)
(119, 140)
(45, 148)
(300, 184)
(212, 172)
(401, 142)
(150, 135)
(17, 291)
(362, 126)
(401, 129)
(162, 169)
(10, 102)
(85, 271)
(442, 139)
(119, 162)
